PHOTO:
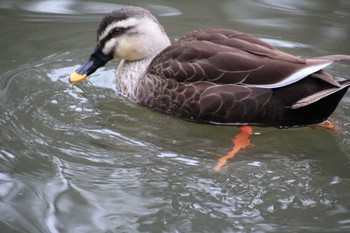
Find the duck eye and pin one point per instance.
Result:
(117, 31)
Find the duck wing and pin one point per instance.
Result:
(224, 56)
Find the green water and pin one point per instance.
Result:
(82, 158)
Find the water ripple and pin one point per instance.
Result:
(75, 129)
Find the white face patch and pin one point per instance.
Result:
(130, 22)
(109, 46)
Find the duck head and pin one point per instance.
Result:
(130, 33)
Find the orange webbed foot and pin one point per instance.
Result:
(329, 125)
(240, 141)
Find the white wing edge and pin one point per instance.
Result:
(296, 76)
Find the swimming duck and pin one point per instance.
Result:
(217, 76)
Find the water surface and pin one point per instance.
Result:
(82, 158)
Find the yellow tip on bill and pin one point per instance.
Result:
(75, 77)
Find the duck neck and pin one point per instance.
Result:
(129, 75)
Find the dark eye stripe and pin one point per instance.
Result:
(117, 31)
(103, 41)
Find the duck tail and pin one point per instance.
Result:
(343, 87)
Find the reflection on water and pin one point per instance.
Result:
(82, 158)
(77, 7)
(59, 7)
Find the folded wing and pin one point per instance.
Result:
(230, 57)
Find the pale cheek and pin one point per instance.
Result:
(126, 50)
(109, 46)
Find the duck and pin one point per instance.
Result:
(215, 76)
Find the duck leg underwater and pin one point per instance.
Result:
(240, 141)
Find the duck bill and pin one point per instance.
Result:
(96, 60)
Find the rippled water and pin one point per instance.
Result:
(82, 158)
